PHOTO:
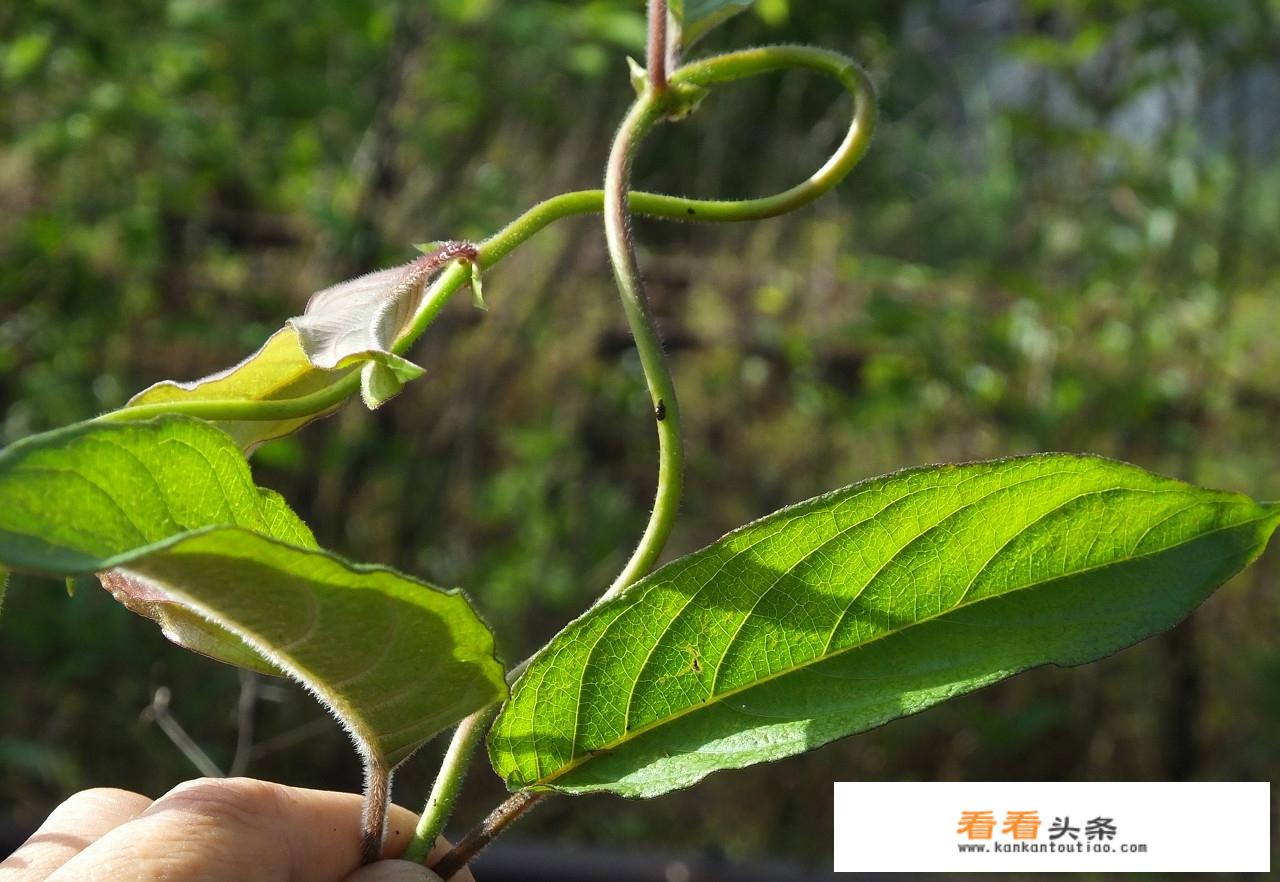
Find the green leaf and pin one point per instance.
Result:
(696, 17)
(75, 499)
(861, 606)
(395, 660)
(382, 378)
(166, 512)
(277, 371)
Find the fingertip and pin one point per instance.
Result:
(393, 871)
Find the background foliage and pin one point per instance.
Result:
(1064, 238)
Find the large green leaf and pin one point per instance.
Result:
(861, 606)
(73, 500)
(166, 512)
(696, 17)
(278, 371)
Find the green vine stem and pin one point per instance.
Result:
(642, 115)
(723, 68)
(466, 738)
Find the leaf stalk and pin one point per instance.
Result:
(511, 810)
(448, 782)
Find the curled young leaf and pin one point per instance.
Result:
(347, 323)
(344, 328)
(360, 320)
(852, 609)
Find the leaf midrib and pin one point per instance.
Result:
(632, 734)
(842, 533)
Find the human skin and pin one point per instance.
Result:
(214, 830)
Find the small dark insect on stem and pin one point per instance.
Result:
(660, 410)
(488, 829)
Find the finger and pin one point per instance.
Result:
(393, 871)
(70, 828)
(407, 871)
(237, 828)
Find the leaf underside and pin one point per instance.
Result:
(862, 606)
(394, 659)
(166, 512)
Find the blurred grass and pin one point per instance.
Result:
(1064, 237)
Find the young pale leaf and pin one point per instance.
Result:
(359, 321)
(861, 606)
(348, 323)
(277, 371)
(696, 17)
(167, 513)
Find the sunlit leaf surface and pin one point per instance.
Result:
(867, 604)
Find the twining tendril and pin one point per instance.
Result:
(707, 72)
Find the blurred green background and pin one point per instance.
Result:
(1064, 237)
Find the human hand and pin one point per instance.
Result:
(214, 830)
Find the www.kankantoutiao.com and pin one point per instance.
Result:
(1052, 847)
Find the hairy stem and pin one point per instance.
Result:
(653, 360)
(373, 815)
(724, 68)
(489, 829)
(448, 782)
(656, 60)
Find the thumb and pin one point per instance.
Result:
(393, 871)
